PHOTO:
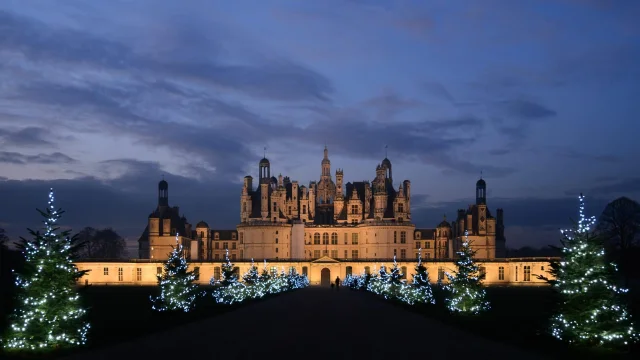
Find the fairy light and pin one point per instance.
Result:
(253, 286)
(48, 315)
(178, 290)
(584, 280)
(465, 292)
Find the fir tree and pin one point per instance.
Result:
(591, 312)
(230, 290)
(48, 314)
(465, 292)
(178, 291)
(396, 275)
(251, 277)
(423, 292)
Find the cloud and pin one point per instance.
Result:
(614, 187)
(26, 137)
(277, 79)
(525, 109)
(45, 159)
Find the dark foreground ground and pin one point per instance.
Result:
(314, 323)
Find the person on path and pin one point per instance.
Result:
(337, 282)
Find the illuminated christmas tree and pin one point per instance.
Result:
(48, 315)
(251, 277)
(230, 290)
(396, 275)
(590, 312)
(465, 291)
(178, 291)
(423, 292)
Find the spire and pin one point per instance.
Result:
(480, 174)
(385, 151)
(265, 152)
(326, 152)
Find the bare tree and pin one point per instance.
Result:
(102, 244)
(3, 239)
(619, 224)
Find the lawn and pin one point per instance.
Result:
(518, 316)
(120, 313)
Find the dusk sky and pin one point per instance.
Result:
(98, 99)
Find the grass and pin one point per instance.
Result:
(121, 313)
(519, 316)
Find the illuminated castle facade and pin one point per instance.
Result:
(281, 219)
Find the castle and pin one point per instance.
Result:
(325, 230)
(283, 220)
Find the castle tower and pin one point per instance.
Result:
(407, 195)
(245, 199)
(481, 192)
(386, 165)
(339, 178)
(481, 202)
(264, 170)
(326, 165)
(163, 193)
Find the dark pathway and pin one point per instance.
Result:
(314, 323)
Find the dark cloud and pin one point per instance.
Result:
(45, 159)
(26, 137)
(525, 109)
(611, 187)
(573, 154)
(276, 79)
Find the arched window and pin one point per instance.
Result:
(334, 238)
(276, 240)
(367, 270)
(404, 272)
(349, 270)
(325, 239)
(316, 239)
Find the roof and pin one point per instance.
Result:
(426, 233)
(264, 161)
(481, 182)
(202, 224)
(224, 234)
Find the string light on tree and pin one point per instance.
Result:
(178, 291)
(591, 312)
(48, 314)
(465, 292)
(423, 291)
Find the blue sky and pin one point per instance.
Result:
(98, 99)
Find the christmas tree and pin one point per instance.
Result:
(251, 277)
(230, 290)
(48, 315)
(421, 284)
(396, 275)
(466, 294)
(177, 288)
(591, 312)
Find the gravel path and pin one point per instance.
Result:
(314, 323)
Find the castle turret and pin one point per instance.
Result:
(163, 193)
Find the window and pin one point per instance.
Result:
(401, 207)
(501, 273)
(139, 274)
(334, 238)
(440, 273)
(346, 254)
(120, 274)
(241, 254)
(216, 236)
(233, 236)
(367, 270)
(316, 239)
(427, 245)
(216, 257)
(233, 246)
(527, 273)
(244, 207)
(354, 254)
(395, 252)
(289, 210)
(305, 270)
(196, 272)
(403, 253)
(354, 209)
(346, 238)
(274, 270)
(325, 239)
(395, 237)
(241, 238)
(233, 256)
(276, 250)
(304, 209)
(236, 271)
(334, 254)
(225, 245)
(349, 270)
(217, 245)
(216, 273)
(404, 272)
(418, 245)
(159, 270)
(354, 239)
(542, 268)
(316, 254)
(428, 255)
(403, 237)
(275, 207)
(106, 271)
(516, 273)
(483, 272)
(417, 234)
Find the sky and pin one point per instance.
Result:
(100, 99)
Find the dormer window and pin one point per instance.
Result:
(216, 236)
(401, 207)
(418, 235)
(233, 236)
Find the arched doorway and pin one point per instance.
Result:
(325, 277)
